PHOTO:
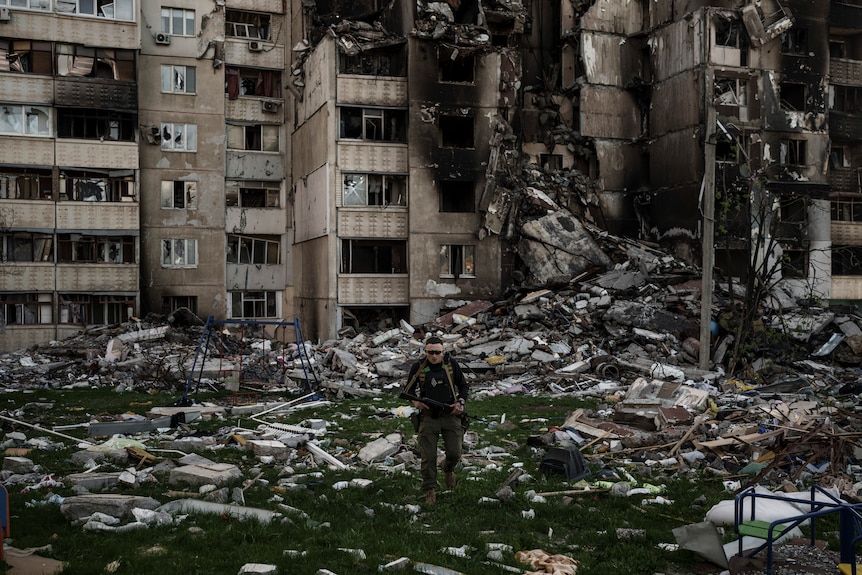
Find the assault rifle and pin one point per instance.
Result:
(425, 400)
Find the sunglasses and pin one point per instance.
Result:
(433, 352)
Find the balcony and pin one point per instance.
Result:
(373, 222)
(241, 277)
(845, 72)
(844, 125)
(122, 216)
(255, 220)
(73, 28)
(96, 93)
(97, 277)
(97, 154)
(363, 289)
(372, 90)
(22, 276)
(844, 180)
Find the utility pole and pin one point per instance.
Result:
(708, 248)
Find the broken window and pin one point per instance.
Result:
(457, 196)
(75, 308)
(84, 61)
(253, 304)
(457, 261)
(454, 67)
(374, 190)
(795, 41)
(373, 256)
(794, 263)
(371, 63)
(178, 79)
(84, 186)
(25, 184)
(25, 120)
(26, 247)
(252, 82)
(79, 248)
(846, 260)
(837, 48)
(259, 249)
(28, 4)
(846, 209)
(25, 308)
(172, 303)
(95, 124)
(845, 98)
(382, 125)
(730, 33)
(25, 56)
(240, 24)
(792, 153)
(178, 22)
(456, 131)
(115, 9)
(179, 137)
(259, 137)
(731, 91)
(253, 194)
(726, 151)
(110, 309)
(179, 253)
(837, 157)
(792, 217)
(793, 96)
(179, 195)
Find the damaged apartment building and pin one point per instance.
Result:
(142, 162)
(343, 162)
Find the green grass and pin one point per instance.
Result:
(379, 519)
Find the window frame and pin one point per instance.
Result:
(268, 299)
(463, 253)
(169, 19)
(24, 120)
(247, 249)
(39, 305)
(169, 128)
(171, 190)
(388, 185)
(373, 119)
(169, 74)
(355, 254)
(182, 261)
(264, 138)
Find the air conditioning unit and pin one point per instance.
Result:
(5, 15)
(255, 46)
(268, 106)
(162, 38)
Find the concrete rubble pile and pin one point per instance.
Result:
(622, 329)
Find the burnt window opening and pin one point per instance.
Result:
(257, 249)
(79, 248)
(551, 162)
(846, 209)
(792, 153)
(845, 98)
(726, 151)
(456, 131)
(250, 194)
(793, 96)
(732, 34)
(455, 68)
(25, 184)
(370, 63)
(26, 247)
(731, 92)
(846, 260)
(838, 158)
(373, 256)
(96, 124)
(179, 195)
(376, 124)
(240, 24)
(374, 190)
(457, 196)
(256, 137)
(794, 263)
(252, 82)
(82, 186)
(26, 308)
(26, 57)
(467, 11)
(837, 48)
(795, 41)
(792, 218)
(172, 303)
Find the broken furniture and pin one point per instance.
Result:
(213, 327)
(566, 460)
(746, 524)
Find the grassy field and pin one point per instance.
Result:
(356, 530)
